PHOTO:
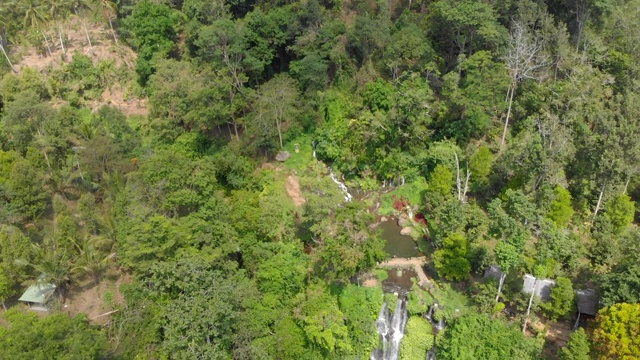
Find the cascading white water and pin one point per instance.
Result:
(341, 185)
(391, 330)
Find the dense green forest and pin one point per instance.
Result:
(141, 148)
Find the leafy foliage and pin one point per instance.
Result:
(478, 336)
(451, 261)
(616, 331)
(56, 335)
(418, 338)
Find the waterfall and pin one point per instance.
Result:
(391, 330)
(437, 327)
(341, 185)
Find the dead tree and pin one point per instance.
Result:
(524, 59)
(462, 190)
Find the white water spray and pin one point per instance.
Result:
(341, 185)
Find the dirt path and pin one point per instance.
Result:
(293, 189)
(416, 262)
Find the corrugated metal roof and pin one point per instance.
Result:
(38, 293)
(587, 302)
(543, 286)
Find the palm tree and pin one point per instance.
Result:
(34, 17)
(53, 263)
(5, 16)
(78, 6)
(57, 9)
(94, 261)
(109, 11)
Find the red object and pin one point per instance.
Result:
(420, 219)
(400, 204)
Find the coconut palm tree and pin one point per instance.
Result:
(34, 16)
(6, 15)
(93, 260)
(53, 263)
(109, 10)
(57, 9)
(78, 6)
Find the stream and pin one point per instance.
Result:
(347, 196)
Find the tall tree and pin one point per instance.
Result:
(276, 105)
(616, 333)
(525, 58)
(34, 17)
(577, 348)
(57, 10)
(109, 10)
(6, 16)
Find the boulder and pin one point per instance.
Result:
(282, 156)
(383, 219)
(406, 231)
(402, 221)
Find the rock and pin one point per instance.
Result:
(383, 219)
(402, 221)
(406, 231)
(282, 156)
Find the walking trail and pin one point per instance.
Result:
(416, 262)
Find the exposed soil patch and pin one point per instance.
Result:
(102, 48)
(93, 300)
(371, 282)
(293, 189)
(115, 97)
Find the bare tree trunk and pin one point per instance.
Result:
(466, 186)
(500, 284)
(278, 125)
(582, 16)
(113, 31)
(86, 33)
(79, 169)
(458, 185)
(595, 213)
(526, 319)
(626, 185)
(44, 151)
(84, 26)
(64, 51)
(506, 121)
(6, 56)
(46, 43)
(235, 128)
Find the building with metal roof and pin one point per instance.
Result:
(37, 296)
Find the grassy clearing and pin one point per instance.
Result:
(412, 191)
(453, 302)
(304, 158)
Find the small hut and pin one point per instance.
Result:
(587, 303)
(542, 286)
(37, 296)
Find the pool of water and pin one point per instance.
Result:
(399, 281)
(396, 244)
